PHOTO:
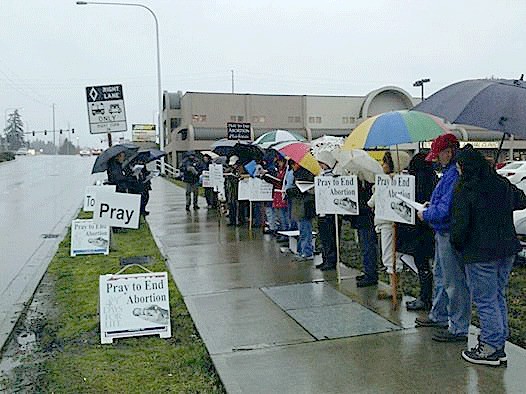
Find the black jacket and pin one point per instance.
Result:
(303, 205)
(365, 217)
(117, 177)
(482, 218)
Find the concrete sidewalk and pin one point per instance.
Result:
(275, 325)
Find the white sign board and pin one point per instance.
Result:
(106, 112)
(143, 133)
(117, 209)
(336, 195)
(205, 179)
(134, 305)
(90, 195)
(260, 190)
(216, 176)
(387, 205)
(88, 237)
(243, 189)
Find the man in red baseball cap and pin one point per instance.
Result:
(451, 308)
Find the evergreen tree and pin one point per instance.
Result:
(67, 148)
(14, 131)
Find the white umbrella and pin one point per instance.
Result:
(276, 136)
(356, 162)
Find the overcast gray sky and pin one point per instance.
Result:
(51, 50)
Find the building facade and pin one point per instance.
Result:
(195, 120)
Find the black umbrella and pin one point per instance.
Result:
(247, 152)
(101, 164)
(145, 156)
(225, 147)
(494, 104)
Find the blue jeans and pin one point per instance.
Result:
(271, 216)
(451, 300)
(305, 239)
(283, 217)
(487, 283)
(369, 244)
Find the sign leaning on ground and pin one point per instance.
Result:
(90, 195)
(238, 131)
(88, 237)
(106, 112)
(134, 305)
(387, 205)
(143, 133)
(336, 195)
(117, 209)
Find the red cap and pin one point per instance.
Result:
(440, 143)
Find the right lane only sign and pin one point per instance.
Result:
(106, 112)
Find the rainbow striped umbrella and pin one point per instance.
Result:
(393, 128)
(300, 153)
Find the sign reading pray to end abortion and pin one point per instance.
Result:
(134, 305)
(336, 195)
(387, 205)
(88, 237)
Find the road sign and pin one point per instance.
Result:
(106, 109)
(143, 133)
(238, 131)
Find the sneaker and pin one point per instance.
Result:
(503, 357)
(327, 267)
(446, 336)
(196, 207)
(417, 305)
(188, 208)
(427, 322)
(306, 258)
(482, 354)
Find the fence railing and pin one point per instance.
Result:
(170, 170)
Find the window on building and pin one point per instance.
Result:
(348, 119)
(315, 119)
(237, 118)
(175, 123)
(258, 119)
(198, 118)
(294, 119)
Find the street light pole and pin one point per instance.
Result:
(421, 83)
(159, 91)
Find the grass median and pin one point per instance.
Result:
(69, 356)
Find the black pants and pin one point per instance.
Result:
(327, 233)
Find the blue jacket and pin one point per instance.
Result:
(438, 214)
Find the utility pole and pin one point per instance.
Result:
(54, 144)
(232, 71)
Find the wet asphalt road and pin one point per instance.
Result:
(38, 195)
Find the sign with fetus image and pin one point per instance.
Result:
(134, 305)
(336, 195)
(387, 205)
(88, 237)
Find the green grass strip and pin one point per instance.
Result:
(80, 364)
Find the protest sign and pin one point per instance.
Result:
(260, 190)
(336, 195)
(117, 209)
(134, 305)
(88, 237)
(205, 179)
(387, 205)
(243, 189)
(90, 195)
(216, 176)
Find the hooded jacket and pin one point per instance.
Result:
(482, 226)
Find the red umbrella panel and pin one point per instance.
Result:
(300, 153)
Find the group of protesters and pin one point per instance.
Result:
(463, 243)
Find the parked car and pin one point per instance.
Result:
(21, 152)
(514, 171)
(96, 151)
(519, 219)
(85, 152)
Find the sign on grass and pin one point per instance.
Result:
(117, 209)
(387, 205)
(88, 237)
(91, 194)
(336, 195)
(134, 305)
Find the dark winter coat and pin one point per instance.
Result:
(365, 217)
(117, 177)
(192, 169)
(482, 217)
(303, 206)
(418, 239)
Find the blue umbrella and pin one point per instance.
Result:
(101, 164)
(494, 104)
(145, 156)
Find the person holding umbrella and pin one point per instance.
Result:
(482, 231)
(116, 175)
(191, 169)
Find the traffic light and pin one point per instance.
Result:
(72, 131)
(45, 132)
(60, 131)
(33, 133)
